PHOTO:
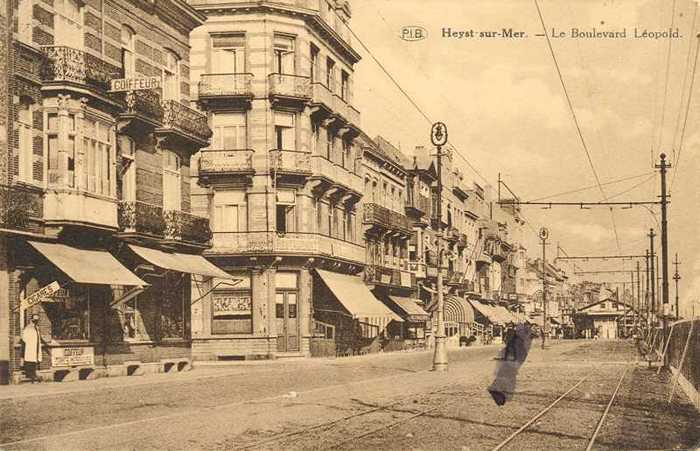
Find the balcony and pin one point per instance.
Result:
(71, 206)
(226, 86)
(226, 162)
(143, 107)
(141, 218)
(348, 179)
(376, 274)
(322, 98)
(290, 162)
(290, 89)
(186, 227)
(185, 123)
(20, 207)
(385, 219)
(418, 204)
(72, 66)
(298, 243)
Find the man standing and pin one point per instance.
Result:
(32, 341)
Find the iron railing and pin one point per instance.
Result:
(140, 217)
(232, 161)
(190, 122)
(18, 206)
(145, 103)
(183, 226)
(290, 161)
(290, 86)
(389, 219)
(67, 64)
(226, 85)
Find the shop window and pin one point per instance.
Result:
(25, 145)
(172, 184)
(172, 305)
(284, 131)
(228, 53)
(283, 49)
(132, 320)
(229, 131)
(232, 309)
(69, 313)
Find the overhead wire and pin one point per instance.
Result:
(587, 188)
(685, 80)
(668, 67)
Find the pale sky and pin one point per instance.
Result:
(506, 112)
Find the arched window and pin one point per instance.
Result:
(128, 63)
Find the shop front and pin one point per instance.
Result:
(361, 322)
(414, 322)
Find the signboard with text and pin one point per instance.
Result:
(39, 295)
(225, 304)
(134, 84)
(72, 356)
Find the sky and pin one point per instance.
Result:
(506, 112)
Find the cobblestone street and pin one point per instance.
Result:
(356, 403)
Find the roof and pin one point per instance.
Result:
(390, 152)
(88, 266)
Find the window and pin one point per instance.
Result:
(68, 23)
(285, 211)
(127, 149)
(330, 74)
(283, 49)
(315, 132)
(172, 189)
(128, 52)
(321, 223)
(172, 305)
(228, 53)
(171, 77)
(25, 20)
(70, 313)
(315, 69)
(347, 155)
(61, 154)
(329, 144)
(229, 131)
(132, 324)
(232, 306)
(230, 212)
(25, 145)
(284, 131)
(345, 86)
(97, 145)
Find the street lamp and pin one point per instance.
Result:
(438, 136)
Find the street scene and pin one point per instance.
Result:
(349, 224)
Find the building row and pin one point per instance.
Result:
(233, 209)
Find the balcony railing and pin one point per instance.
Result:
(389, 276)
(221, 162)
(18, 206)
(290, 86)
(145, 103)
(183, 226)
(340, 107)
(388, 219)
(186, 120)
(290, 161)
(348, 179)
(320, 94)
(142, 218)
(293, 243)
(66, 64)
(353, 115)
(226, 85)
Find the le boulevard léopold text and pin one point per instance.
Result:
(622, 33)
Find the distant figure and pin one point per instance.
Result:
(31, 342)
(503, 386)
(509, 338)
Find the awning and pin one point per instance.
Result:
(458, 310)
(413, 311)
(187, 263)
(505, 315)
(87, 266)
(487, 311)
(355, 296)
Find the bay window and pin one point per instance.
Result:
(97, 147)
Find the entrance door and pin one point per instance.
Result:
(287, 323)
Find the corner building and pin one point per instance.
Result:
(96, 196)
(280, 180)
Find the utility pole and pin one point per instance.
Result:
(647, 295)
(639, 295)
(664, 244)
(438, 136)
(544, 234)
(676, 278)
(652, 278)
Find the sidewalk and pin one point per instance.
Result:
(207, 369)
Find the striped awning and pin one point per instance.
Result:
(458, 310)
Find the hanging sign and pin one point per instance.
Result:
(134, 84)
(438, 134)
(39, 295)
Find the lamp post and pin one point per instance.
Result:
(676, 278)
(544, 234)
(438, 136)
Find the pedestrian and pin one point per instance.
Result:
(31, 344)
(510, 337)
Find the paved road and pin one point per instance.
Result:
(378, 401)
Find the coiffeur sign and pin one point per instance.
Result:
(134, 84)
